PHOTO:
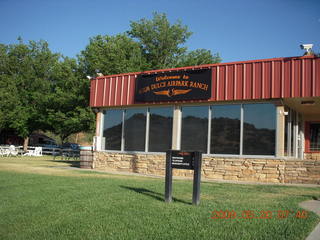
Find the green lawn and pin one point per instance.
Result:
(53, 203)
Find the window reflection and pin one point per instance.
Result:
(259, 129)
(225, 129)
(315, 136)
(135, 129)
(194, 131)
(160, 129)
(112, 129)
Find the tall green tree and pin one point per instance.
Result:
(41, 90)
(161, 42)
(149, 44)
(197, 57)
(25, 72)
(67, 108)
(112, 55)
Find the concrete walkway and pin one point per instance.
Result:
(314, 206)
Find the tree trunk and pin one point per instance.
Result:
(63, 138)
(77, 136)
(25, 144)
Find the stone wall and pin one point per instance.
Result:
(312, 156)
(222, 168)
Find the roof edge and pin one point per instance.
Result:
(207, 66)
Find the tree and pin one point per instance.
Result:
(67, 106)
(112, 55)
(149, 44)
(25, 71)
(40, 90)
(4, 93)
(160, 41)
(197, 57)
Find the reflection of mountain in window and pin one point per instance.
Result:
(135, 130)
(225, 129)
(194, 130)
(160, 129)
(259, 129)
(112, 129)
(225, 137)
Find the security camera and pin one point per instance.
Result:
(306, 47)
(89, 77)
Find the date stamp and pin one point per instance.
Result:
(264, 214)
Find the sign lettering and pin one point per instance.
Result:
(174, 86)
(182, 160)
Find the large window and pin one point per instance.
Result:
(160, 129)
(225, 129)
(314, 136)
(259, 129)
(135, 129)
(194, 131)
(112, 130)
(233, 129)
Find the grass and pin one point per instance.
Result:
(39, 199)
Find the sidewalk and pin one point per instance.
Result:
(314, 206)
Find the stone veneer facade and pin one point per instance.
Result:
(272, 170)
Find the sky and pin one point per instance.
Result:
(236, 29)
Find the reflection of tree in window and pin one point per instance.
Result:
(135, 129)
(259, 129)
(225, 129)
(160, 129)
(112, 129)
(194, 131)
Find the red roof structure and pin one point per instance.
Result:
(236, 81)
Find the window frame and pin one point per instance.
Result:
(240, 134)
(179, 107)
(124, 110)
(148, 127)
(102, 128)
(307, 137)
(208, 153)
(180, 122)
(275, 129)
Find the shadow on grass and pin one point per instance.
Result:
(70, 162)
(155, 195)
(310, 196)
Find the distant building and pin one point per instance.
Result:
(254, 120)
(8, 137)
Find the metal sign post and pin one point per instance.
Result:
(168, 190)
(183, 160)
(196, 178)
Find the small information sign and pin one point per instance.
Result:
(183, 160)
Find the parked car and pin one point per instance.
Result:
(48, 145)
(73, 146)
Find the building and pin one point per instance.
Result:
(9, 136)
(254, 120)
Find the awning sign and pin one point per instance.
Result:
(174, 86)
